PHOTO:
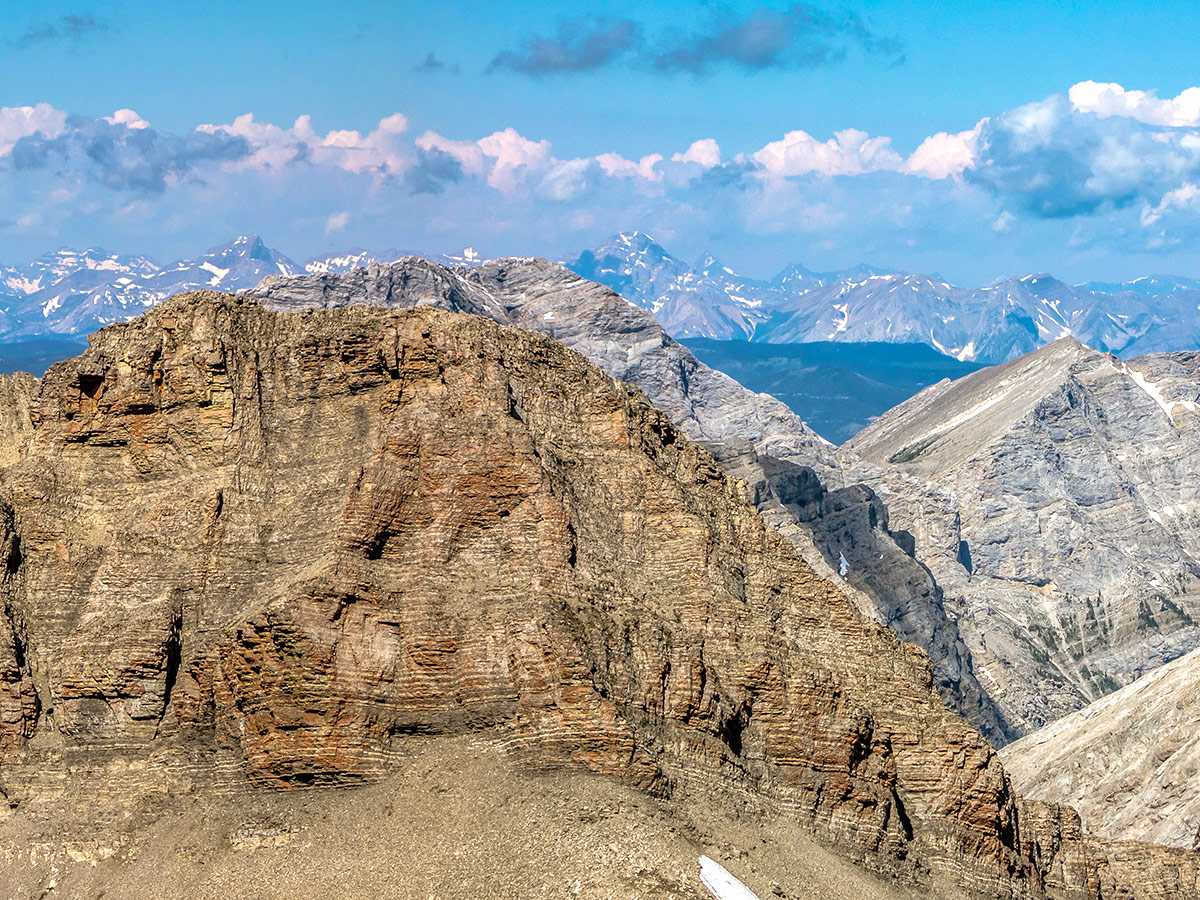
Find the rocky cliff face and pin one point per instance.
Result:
(248, 548)
(1052, 499)
(623, 340)
(1129, 762)
(627, 343)
(844, 533)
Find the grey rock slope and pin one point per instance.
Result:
(627, 343)
(1129, 762)
(1054, 500)
(844, 532)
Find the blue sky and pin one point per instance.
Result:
(542, 129)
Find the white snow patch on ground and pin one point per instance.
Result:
(217, 273)
(723, 886)
(1155, 393)
(841, 324)
(843, 566)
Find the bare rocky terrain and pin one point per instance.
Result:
(1053, 499)
(455, 818)
(1129, 762)
(269, 556)
(846, 539)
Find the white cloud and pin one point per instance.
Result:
(1110, 99)
(128, 118)
(615, 165)
(514, 157)
(849, 152)
(17, 122)
(566, 180)
(381, 152)
(1186, 196)
(705, 151)
(468, 153)
(337, 222)
(943, 155)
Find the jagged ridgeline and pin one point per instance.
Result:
(251, 550)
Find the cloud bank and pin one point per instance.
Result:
(1096, 169)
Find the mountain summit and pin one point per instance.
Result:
(289, 550)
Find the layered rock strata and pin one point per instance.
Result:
(627, 343)
(270, 549)
(1053, 499)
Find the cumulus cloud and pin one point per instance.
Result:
(704, 152)
(382, 152)
(128, 118)
(17, 122)
(433, 170)
(1056, 162)
(123, 156)
(943, 155)
(848, 152)
(468, 153)
(1113, 100)
(514, 158)
(802, 36)
(614, 164)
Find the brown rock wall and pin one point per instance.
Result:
(292, 541)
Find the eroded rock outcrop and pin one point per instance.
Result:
(626, 342)
(1129, 762)
(269, 549)
(1053, 500)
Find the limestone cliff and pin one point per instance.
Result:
(1053, 499)
(251, 550)
(626, 342)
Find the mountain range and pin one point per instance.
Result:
(991, 324)
(271, 561)
(73, 292)
(70, 292)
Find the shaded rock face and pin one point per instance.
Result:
(1053, 499)
(844, 534)
(1129, 762)
(271, 547)
(627, 343)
